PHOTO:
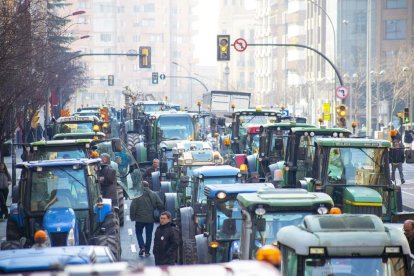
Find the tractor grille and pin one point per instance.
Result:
(373, 210)
(58, 238)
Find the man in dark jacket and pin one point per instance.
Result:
(397, 158)
(147, 176)
(166, 241)
(107, 179)
(141, 211)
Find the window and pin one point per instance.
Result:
(395, 29)
(137, 8)
(396, 4)
(149, 7)
(121, 9)
(106, 37)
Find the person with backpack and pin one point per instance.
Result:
(142, 212)
(166, 241)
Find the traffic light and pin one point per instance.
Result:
(145, 57)
(223, 47)
(154, 77)
(406, 115)
(111, 80)
(341, 115)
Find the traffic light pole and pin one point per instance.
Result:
(192, 78)
(306, 47)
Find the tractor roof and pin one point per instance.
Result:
(61, 142)
(284, 198)
(320, 131)
(58, 162)
(212, 190)
(353, 142)
(343, 235)
(216, 171)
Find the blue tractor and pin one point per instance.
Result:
(63, 198)
(221, 240)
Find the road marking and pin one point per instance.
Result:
(128, 218)
(133, 248)
(129, 232)
(3, 239)
(125, 206)
(407, 193)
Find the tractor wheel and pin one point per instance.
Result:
(133, 139)
(170, 204)
(111, 242)
(9, 245)
(12, 231)
(165, 188)
(111, 225)
(203, 256)
(121, 205)
(189, 251)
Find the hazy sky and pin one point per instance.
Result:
(206, 25)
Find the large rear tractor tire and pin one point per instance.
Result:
(12, 231)
(188, 230)
(111, 242)
(10, 245)
(121, 205)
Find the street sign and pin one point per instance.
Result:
(284, 113)
(342, 92)
(240, 44)
(326, 111)
(162, 77)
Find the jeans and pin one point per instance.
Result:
(3, 199)
(139, 227)
(397, 166)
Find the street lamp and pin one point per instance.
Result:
(190, 84)
(74, 13)
(377, 80)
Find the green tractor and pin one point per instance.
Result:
(265, 212)
(76, 127)
(300, 155)
(355, 172)
(344, 245)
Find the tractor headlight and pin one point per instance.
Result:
(322, 210)
(221, 195)
(71, 238)
(260, 211)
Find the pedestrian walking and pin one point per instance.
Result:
(147, 176)
(4, 190)
(408, 137)
(397, 158)
(409, 233)
(166, 241)
(142, 212)
(107, 180)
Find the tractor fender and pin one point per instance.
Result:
(171, 204)
(165, 188)
(251, 163)
(141, 151)
(203, 256)
(156, 181)
(102, 211)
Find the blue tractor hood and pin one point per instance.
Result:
(59, 220)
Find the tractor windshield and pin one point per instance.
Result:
(229, 220)
(213, 180)
(58, 152)
(175, 128)
(274, 222)
(58, 187)
(357, 166)
(76, 127)
(355, 266)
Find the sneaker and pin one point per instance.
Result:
(141, 251)
(147, 254)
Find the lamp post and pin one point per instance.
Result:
(377, 80)
(190, 84)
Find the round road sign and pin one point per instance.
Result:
(240, 44)
(342, 92)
